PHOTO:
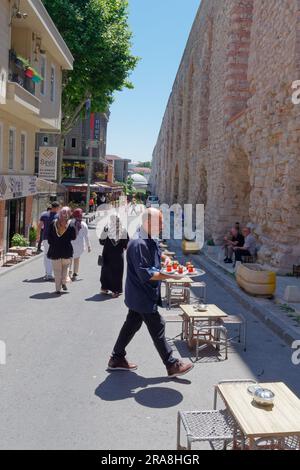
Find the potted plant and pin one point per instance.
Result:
(211, 247)
(32, 236)
(18, 240)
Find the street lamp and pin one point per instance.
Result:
(90, 164)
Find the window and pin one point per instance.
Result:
(11, 148)
(45, 140)
(73, 143)
(52, 83)
(23, 150)
(43, 74)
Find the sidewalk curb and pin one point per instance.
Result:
(19, 265)
(263, 312)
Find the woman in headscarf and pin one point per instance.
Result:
(114, 239)
(60, 236)
(81, 243)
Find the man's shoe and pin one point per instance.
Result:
(74, 277)
(225, 260)
(179, 368)
(64, 287)
(116, 363)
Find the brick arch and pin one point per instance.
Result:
(236, 73)
(188, 101)
(204, 91)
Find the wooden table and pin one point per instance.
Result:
(183, 282)
(280, 421)
(212, 315)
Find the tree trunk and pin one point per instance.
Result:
(60, 155)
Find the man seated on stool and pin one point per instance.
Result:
(236, 239)
(249, 248)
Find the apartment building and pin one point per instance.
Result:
(120, 166)
(33, 56)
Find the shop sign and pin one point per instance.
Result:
(15, 186)
(48, 163)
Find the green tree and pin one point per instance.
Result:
(98, 35)
(128, 187)
(145, 165)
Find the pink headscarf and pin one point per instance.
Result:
(77, 214)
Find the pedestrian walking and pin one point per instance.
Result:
(60, 236)
(46, 218)
(91, 204)
(133, 207)
(114, 239)
(81, 243)
(142, 297)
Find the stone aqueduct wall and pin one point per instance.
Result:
(230, 136)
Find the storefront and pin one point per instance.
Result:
(16, 196)
(77, 192)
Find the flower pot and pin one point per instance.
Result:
(255, 280)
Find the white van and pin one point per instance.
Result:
(152, 201)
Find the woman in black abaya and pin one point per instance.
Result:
(114, 239)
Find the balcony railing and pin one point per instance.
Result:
(17, 74)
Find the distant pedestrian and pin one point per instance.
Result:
(91, 204)
(60, 236)
(143, 297)
(81, 243)
(133, 207)
(114, 239)
(41, 234)
(46, 219)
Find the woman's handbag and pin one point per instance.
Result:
(100, 260)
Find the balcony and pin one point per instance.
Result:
(17, 73)
(20, 98)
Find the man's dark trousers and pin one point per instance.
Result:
(240, 253)
(156, 327)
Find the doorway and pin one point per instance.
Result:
(16, 210)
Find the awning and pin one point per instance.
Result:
(102, 187)
(109, 187)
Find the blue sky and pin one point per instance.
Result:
(160, 29)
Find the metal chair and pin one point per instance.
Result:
(201, 296)
(278, 443)
(241, 321)
(206, 426)
(176, 318)
(211, 334)
(177, 295)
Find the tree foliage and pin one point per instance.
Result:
(98, 35)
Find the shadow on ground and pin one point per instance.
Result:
(99, 298)
(38, 280)
(122, 385)
(47, 295)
